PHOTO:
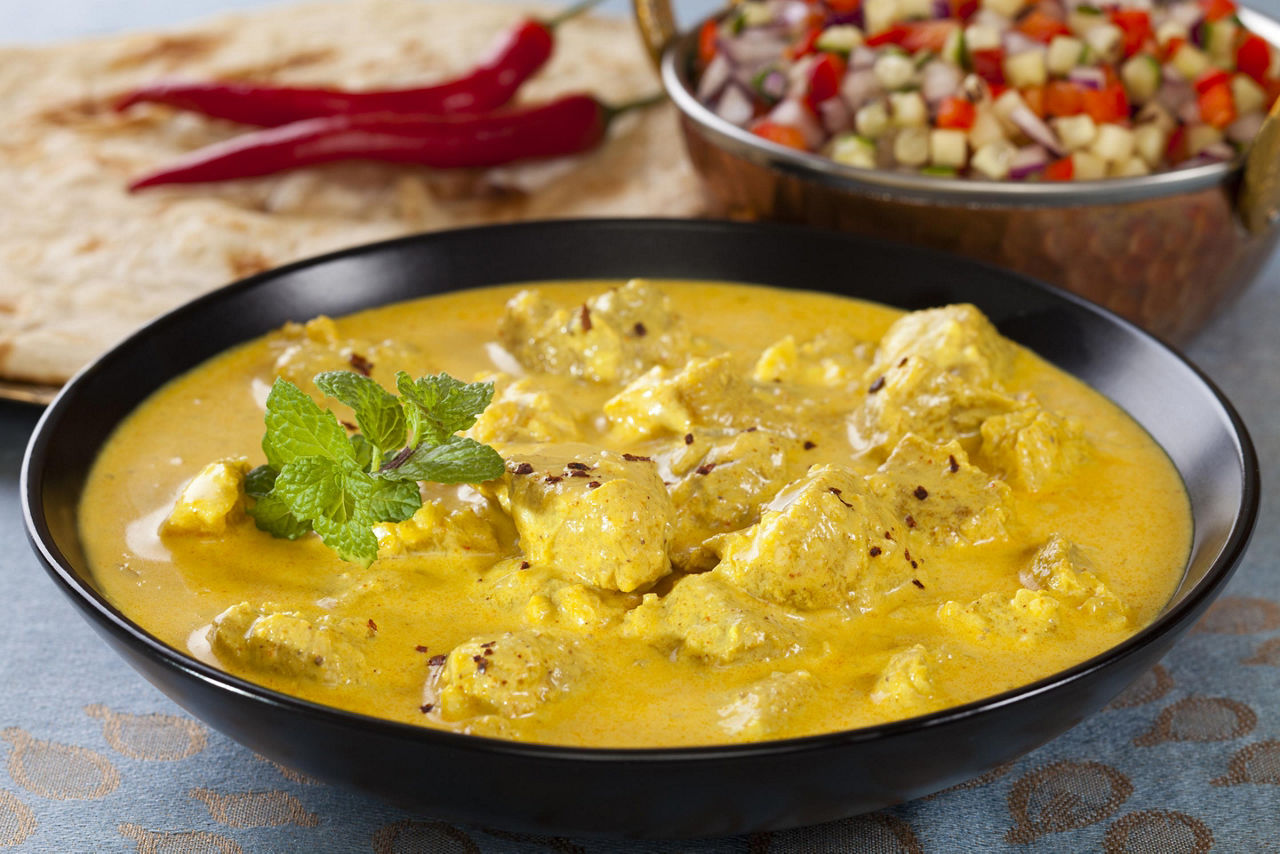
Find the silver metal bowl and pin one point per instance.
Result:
(1166, 250)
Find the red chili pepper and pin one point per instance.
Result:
(1253, 57)
(824, 80)
(567, 125)
(516, 56)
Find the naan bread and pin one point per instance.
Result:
(82, 262)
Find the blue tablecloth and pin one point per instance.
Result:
(1187, 760)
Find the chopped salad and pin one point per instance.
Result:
(1048, 90)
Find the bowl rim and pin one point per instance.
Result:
(107, 618)
(674, 73)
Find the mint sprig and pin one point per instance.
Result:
(319, 478)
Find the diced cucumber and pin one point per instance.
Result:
(981, 37)
(1141, 76)
(1084, 19)
(755, 13)
(1248, 95)
(1075, 132)
(994, 159)
(1170, 30)
(908, 9)
(948, 147)
(1004, 107)
(954, 50)
(1008, 8)
(1087, 167)
(1113, 143)
(894, 71)
(1026, 69)
(1134, 167)
(1106, 41)
(872, 120)
(1064, 54)
(1220, 41)
(853, 150)
(842, 38)
(1149, 142)
(1201, 136)
(986, 129)
(878, 15)
(908, 109)
(1190, 61)
(911, 146)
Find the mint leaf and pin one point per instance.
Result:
(442, 405)
(353, 539)
(378, 413)
(365, 453)
(458, 460)
(394, 501)
(272, 515)
(316, 488)
(259, 482)
(297, 428)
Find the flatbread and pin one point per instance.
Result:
(82, 262)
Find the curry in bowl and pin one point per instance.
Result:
(722, 513)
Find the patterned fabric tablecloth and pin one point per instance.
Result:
(1187, 760)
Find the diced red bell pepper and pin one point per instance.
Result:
(1253, 57)
(1042, 26)
(806, 45)
(915, 35)
(956, 113)
(1217, 106)
(988, 64)
(707, 47)
(1110, 104)
(1209, 78)
(1171, 47)
(963, 10)
(1062, 98)
(1033, 97)
(1059, 170)
(824, 80)
(844, 7)
(781, 134)
(1216, 10)
(1135, 24)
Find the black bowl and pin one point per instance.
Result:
(651, 792)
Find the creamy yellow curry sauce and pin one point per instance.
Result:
(730, 513)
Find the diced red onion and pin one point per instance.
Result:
(861, 57)
(1217, 152)
(942, 8)
(1189, 113)
(716, 75)
(1187, 14)
(1032, 125)
(836, 115)
(753, 47)
(801, 70)
(735, 106)
(1174, 94)
(795, 14)
(1245, 128)
(1088, 77)
(987, 18)
(1016, 43)
(773, 85)
(859, 87)
(795, 114)
(939, 80)
(1027, 161)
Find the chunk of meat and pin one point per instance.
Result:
(1061, 567)
(958, 340)
(706, 392)
(722, 488)
(212, 501)
(1034, 448)
(707, 619)
(457, 520)
(1028, 616)
(904, 682)
(523, 411)
(267, 639)
(821, 540)
(590, 515)
(946, 498)
(914, 395)
(303, 350)
(545, 601)
(760, 709)
(509, 675)
(834, 359)
(613, 337)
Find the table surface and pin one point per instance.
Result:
(1187, 760)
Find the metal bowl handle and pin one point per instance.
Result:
(657, 25)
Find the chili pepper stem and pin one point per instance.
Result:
(572, 12)
(611, 112)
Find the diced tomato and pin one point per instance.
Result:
(1042, 26)
(915, 35)
(1171, 47)
(1059, 170)
(824, 80)
(963, 10)
(1110, 104)
(1210, 78)
(1216, 10)
(1175, 150)
(806, 45)
(781, 134)
(997, 89)
(844, 7)
(1135, 24)
(707, 47)
(1062, 98)
(956, 113)
(1033, 97)
(988, 64)
(1217, 106)
(1253, 57)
